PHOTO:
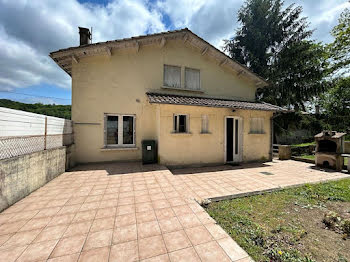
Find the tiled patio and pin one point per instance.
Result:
(130, 212)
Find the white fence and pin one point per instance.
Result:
(23, 132)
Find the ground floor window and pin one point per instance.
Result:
(119, 130)
(180, 123)
(257, 125)
(205, 124)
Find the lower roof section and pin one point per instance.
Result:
(156, 98)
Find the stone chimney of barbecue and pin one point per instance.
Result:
(85, 36)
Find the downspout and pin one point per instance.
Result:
(272, 134)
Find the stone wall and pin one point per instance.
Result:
(347, 147)
(19, 176)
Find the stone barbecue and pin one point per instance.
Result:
(329, 147)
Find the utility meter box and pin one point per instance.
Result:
(149, 152)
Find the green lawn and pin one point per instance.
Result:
(304, 144)
(312, 157)
(288, 225)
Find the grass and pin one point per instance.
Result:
(287, 225)
(304, 144)
(312, 157)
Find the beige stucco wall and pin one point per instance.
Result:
(197, 148)
(118, 83)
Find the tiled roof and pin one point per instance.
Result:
(209, 102)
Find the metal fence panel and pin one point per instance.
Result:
(24, 133)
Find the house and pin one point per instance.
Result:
(172, 87)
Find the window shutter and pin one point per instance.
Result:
(192, 79)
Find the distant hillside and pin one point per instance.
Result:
(63, 111)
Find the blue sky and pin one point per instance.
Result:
(30, 30)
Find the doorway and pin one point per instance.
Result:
(233, 139)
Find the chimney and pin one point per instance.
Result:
(85, 36)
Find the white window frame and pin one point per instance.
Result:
(199, 72)
(164, 84)
(261, 124)
(177, 124)
(205, 124)
(120, 130)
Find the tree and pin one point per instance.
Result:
(340, 48)
(273, 42)
(336, 105)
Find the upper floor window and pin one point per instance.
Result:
(257, 125)
(192, 79)
(172, 76)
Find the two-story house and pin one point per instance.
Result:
(172, 87)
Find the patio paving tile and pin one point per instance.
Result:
(176, 240)
(151, 247)
(148, 229)
(69, 245)
(12, 253)
(184, 255)
(143, 213)
(67, 258)
(22, 238)
(211, 251)
(38, 251)
(98, 254)
(98, 239)
(51, 233)
(161, 258)
(127, 252)
(198, 235)
(125, 220)
(78, 228)
(232, 249)
(125, 234)
(102, 224)
(170, 224)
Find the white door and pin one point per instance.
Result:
(233, 139)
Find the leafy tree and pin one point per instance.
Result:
(340, 48)
(336, 105)
(62, 111)
(273, 42)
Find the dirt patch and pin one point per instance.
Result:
(322, 243)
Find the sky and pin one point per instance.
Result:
(31, 29)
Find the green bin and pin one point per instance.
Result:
(149, 152)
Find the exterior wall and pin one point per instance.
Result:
(19, 176)
(196, 148)
(118, 83)
(347, 147)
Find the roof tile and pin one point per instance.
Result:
(156, 98)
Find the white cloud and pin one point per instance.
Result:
(30, 30)
(217, 20)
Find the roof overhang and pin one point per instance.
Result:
(65, 57)
(156, 98)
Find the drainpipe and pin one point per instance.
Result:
(272, 134)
